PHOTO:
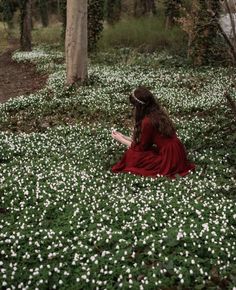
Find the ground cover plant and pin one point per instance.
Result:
(69, 223)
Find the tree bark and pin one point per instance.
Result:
(76, 43)
(43, 8)
(26, 25)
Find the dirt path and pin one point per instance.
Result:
(18, 79)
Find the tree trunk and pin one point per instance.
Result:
(43, 8)
(62, 9)
(26, 25)
(76, 44)
(172, 12)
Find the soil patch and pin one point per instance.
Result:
(18, 79)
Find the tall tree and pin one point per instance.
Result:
(204, 44)
(26, 24)
(201, 25)
(76, 44)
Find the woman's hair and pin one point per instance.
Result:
(145, 104)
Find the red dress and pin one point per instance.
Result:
(155, 155)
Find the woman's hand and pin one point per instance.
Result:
(120, 138)
(117, 135)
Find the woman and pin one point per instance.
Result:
(154, 150)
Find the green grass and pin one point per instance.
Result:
(8, 37)
(48, 35)
(3, 37)
(143, 34)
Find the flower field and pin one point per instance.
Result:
(72, 224)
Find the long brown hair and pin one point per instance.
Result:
(145, 104)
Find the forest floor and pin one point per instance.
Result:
(70, 223)
(18, 79)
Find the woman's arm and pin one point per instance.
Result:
(121, 138)
(126, 137)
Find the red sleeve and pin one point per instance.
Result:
(146, 138)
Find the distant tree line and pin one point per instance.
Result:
(198, 18)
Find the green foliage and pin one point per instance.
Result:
(7, 9)
(172, 9)
(205, 43)
(47, 35)
(145, 34)
(95, 22)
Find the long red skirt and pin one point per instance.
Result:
(170, 160)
